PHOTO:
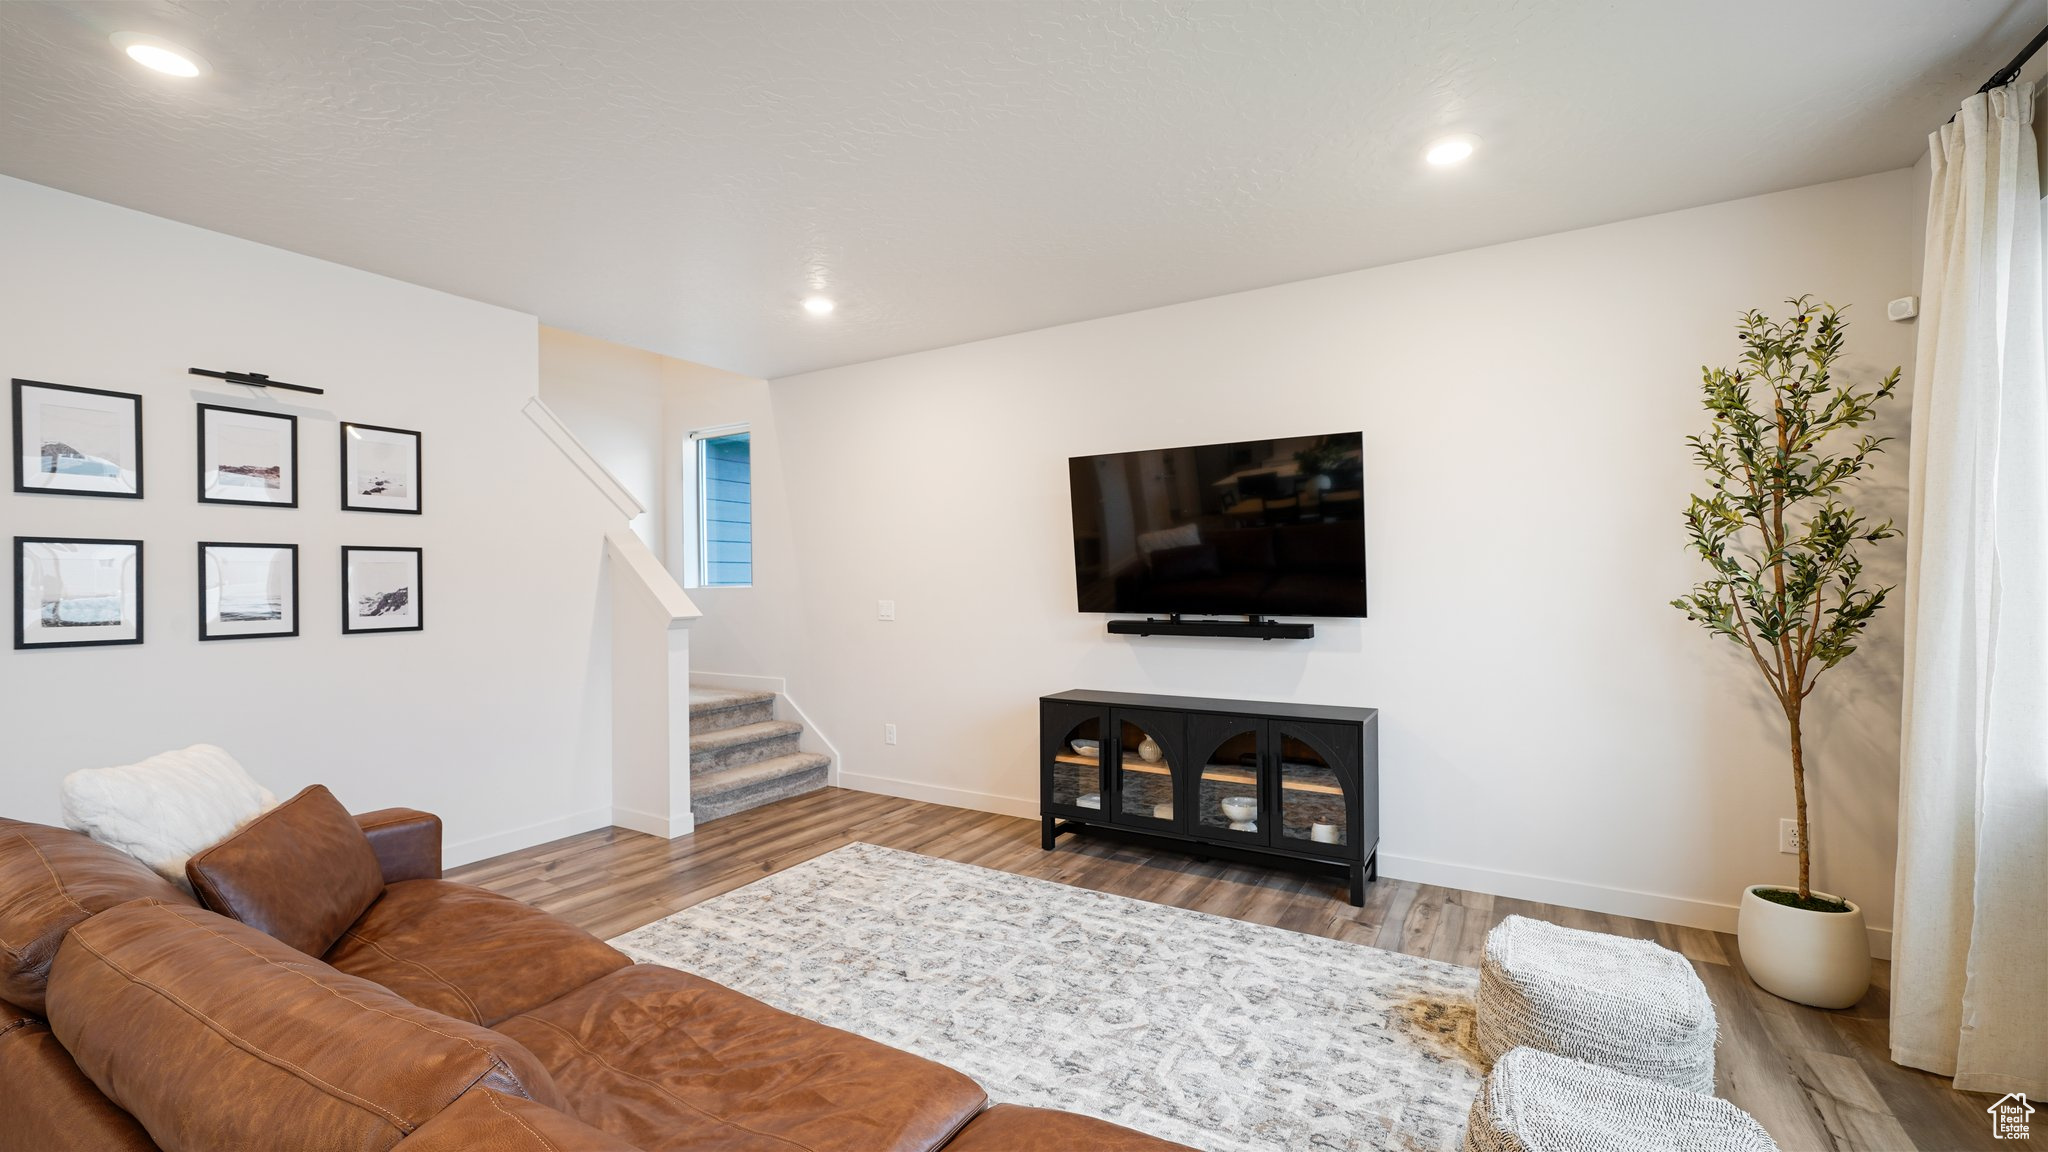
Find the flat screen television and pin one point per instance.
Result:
(1254, 528)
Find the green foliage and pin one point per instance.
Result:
(1787, 584)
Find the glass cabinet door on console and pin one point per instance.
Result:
(1318, 773)
(1076, 737)
(1148, 761)
(1228, 790)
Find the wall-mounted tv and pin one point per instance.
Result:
(1255, 528)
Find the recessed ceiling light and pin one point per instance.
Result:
(160, 55)
(1450, 150)
(819, 306)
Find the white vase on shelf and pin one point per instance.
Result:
(1149, 752)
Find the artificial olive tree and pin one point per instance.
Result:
(1787, 584)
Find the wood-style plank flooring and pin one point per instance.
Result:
(1817, 1080)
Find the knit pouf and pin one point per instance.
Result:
(1535, 1102)
(1623, 1004)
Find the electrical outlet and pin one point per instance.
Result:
(888, 733)
(1788, 837)
(885, 610)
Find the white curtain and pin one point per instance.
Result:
(1970, 921)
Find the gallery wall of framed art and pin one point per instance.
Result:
(102, 298)
(74, 592)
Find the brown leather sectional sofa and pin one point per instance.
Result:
(442, 1017)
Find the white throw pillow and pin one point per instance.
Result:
(165, 808)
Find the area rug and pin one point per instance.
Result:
(1226, 1036)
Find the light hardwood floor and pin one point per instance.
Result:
(1817, 1080)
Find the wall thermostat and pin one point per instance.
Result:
(1904, 308)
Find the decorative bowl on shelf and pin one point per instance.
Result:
(1086, 747)
(1091, 800)
(1243, 811)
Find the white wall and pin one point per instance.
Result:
(610, 396)
(1551, 728)
(635, 411)
(744, 631)
(495, 716)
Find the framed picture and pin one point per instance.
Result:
(381, 590)
(72, 593)
(380, 469)
(248, 590)
(248, 457)
(81, 441)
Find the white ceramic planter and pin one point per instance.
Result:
(1817, 958)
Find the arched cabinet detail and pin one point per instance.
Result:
(1234, 779)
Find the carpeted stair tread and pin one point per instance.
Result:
(728, 779)
(726, 791)
(712, 709)
(705, 700)
(742, 756)
(719, 738)
(723, 748)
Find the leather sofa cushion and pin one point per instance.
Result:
(486, 1121)
(468, 953)
(672, 1062)
(1012, 1128)
(407, 842)
(51, 1106)
(50, 879)
(301, 872)
(215, 1036)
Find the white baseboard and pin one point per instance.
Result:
(1514, 885)
(654, 824)
(498, 843)
(1707, 914)
(934, 794)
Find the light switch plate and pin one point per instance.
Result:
(885, 609)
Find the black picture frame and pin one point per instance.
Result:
(353, 499)
(351, 595)
(291, 455)
(211, 629)
(22, 640)
(21, 471)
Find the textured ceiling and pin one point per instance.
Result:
(677, 176)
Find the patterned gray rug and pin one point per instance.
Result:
(1222, 1035)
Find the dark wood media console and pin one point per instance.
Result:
(1295, 784)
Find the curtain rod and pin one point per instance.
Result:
(2011, 72)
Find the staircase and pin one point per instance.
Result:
(742, 757)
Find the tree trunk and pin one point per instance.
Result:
(1799, 799)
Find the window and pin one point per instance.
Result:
(725, 510)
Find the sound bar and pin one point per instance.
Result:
(1251, 629)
